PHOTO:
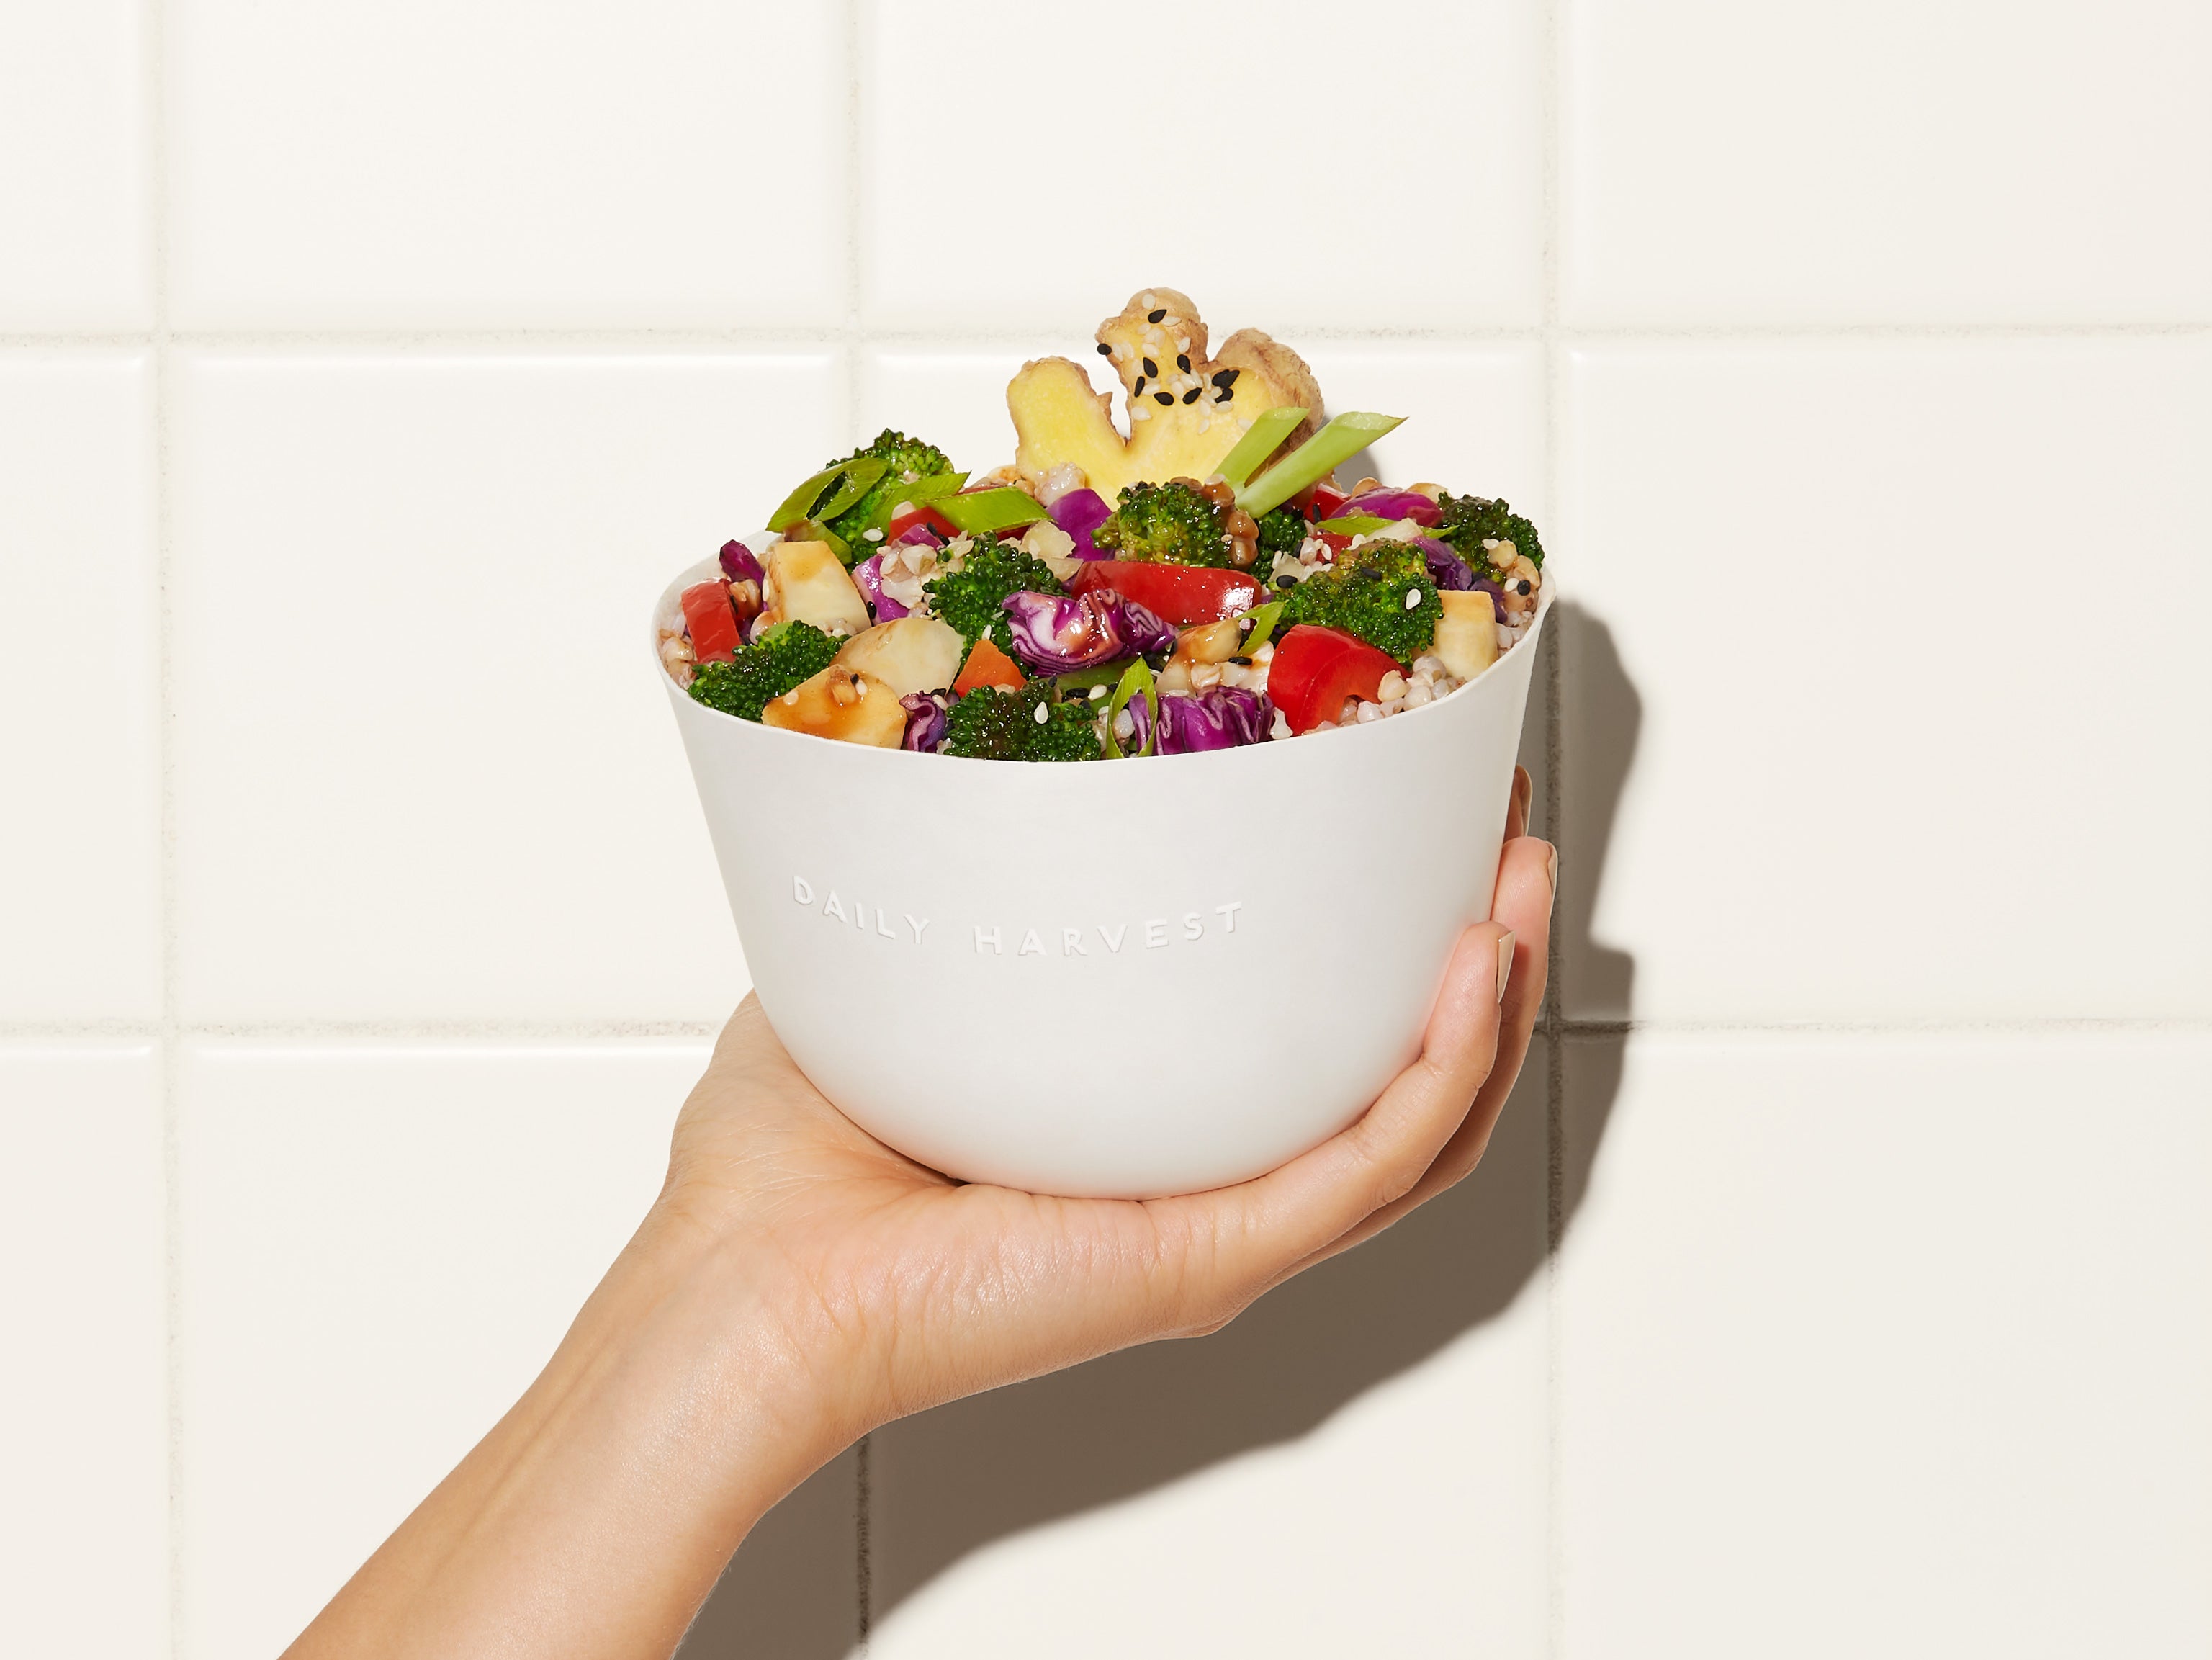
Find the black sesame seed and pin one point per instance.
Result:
(1183, 361)
(1163, 398)
(1104, 349)
(1522, 588)
(1222, 396)
(1226, 377)
(1286, 583)
(1242, 662)
(1157, 315)
(1191, 396)
(1150, 367)
(1139, 389)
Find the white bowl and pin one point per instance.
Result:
(1110, 980)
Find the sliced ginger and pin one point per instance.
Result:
(1186, 410)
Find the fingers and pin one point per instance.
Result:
(1242, 1237)
(1525, 897)
(1517, 809)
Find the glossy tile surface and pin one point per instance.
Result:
(495, 164)
(1854, 729)
(1887, 1345)
(80, 831)
(426, 769)
(84, 1457)
(1965, 161)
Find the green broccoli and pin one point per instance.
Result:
(968, 598)
(905, 455)
(1468, 521)
(1169, 524)
(1282, 531)
(768, 668)
(1364, 592)
(992, 725)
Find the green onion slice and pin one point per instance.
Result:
(1264, 618)
(830, 491)
(990, 510)
(1265, 437)
(1136, 679)
(1340, 441)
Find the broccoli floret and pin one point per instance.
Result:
(1364, 593)
(1169, 524)
(968, 598)
(992, 724)
(905, 455)
(768, 668)
(1283, 531)
(1468, 521)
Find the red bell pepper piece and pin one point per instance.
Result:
(910, 515)
(1316, 669)
(1181, 594)
(713, 620)
(1327, 500)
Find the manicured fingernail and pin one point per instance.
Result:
(1505, 963)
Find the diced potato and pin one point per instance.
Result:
(908, 654)
(812, 586)
(841, 705)
(1210, 642)
(1467, 634)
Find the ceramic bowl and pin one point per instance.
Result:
(1109, 980)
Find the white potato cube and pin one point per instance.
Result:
(908, 654)
(1467, 634)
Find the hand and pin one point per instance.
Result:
(798, 1283)
(900, 1289)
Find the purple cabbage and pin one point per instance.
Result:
(869, 576)
(1079, 512)
(1061, 633)
(1393, 505)
(738, 564)
(1451, 573)
(925, 721)
(1446, 565)
(920, 535)
(1221, 719)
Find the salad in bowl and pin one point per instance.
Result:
(1203, 584)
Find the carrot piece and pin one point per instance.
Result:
(988, 666)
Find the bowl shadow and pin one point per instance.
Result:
(881, 1522)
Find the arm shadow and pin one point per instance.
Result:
(952, 1480)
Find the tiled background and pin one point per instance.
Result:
(1841, 1282)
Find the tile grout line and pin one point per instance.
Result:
(1550, 1025)
(856, 340)
(953, 334)
(1551, 128)
(159, 342)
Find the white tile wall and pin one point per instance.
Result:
(80, 902)
(1888, 1345)
(451, 561)
(1128, 145)
(76, 239)
(379, 1248)
(620, 164)
(1729, 162)
(364, 370)
(84, 1462)
(1954, 590)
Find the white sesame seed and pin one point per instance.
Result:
(1042, 716)
(1097, 692)
(872, 536)
(1412, 599)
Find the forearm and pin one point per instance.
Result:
(594, 1518)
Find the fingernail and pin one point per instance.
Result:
(1551, 870)
(1505, 963)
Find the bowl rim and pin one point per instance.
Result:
(705, 569)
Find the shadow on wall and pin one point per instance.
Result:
(957, 1478)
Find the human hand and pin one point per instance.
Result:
(890, 1287)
